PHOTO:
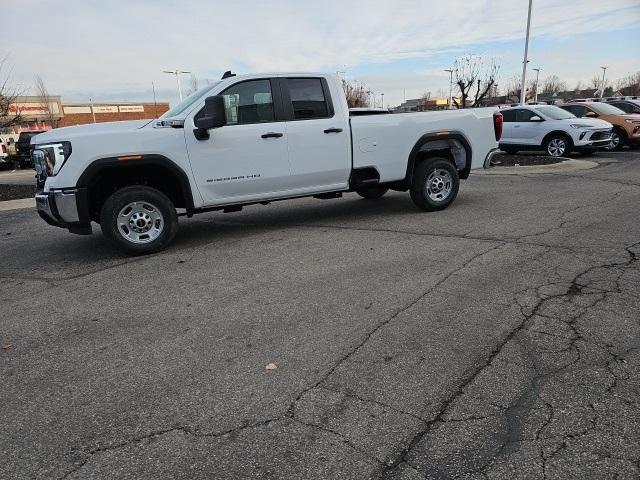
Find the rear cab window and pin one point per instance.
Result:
(308, 98)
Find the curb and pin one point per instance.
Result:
(21, 203)
(569, 165)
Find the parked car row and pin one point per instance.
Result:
(18, 152)
(577, 126)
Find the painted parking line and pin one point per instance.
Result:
(17, 204)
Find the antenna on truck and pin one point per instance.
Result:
(228, 74)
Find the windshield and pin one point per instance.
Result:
(190, 100)
(555, 113)
(606, 109)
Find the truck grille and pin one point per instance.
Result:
(39, 163)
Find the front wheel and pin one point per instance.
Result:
(139, 220)
(617, 141)
(435, 184)
(372, 193)
(557, 146)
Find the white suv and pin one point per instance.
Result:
(552, 129)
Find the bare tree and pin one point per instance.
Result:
(9, 114)
(512, 87)
(474, 79)
(629, 85)
(356, 93)
(193, 85)
(553, 84)
(43, 93)
(579, 86)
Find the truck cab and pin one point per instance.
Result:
(246, 140)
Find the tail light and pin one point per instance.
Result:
(497, 125)
(4, 148)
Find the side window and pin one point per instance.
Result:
(249, 102)
(579, 110)
(307, 97)
(626, 107)
(524, 115)
(509, 115)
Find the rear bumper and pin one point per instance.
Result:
(65, 209)
(487, 161)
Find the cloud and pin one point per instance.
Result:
(99, 49)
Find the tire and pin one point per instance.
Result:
(435, 184)
(509, 150)
(372, 193)
(139, 220)
(558, 145)
(618, 141)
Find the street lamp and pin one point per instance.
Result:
(523, 92)
(450, 71)
(177, 73)
(604, 70)
(535, 96)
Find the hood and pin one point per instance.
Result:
(589, 122)
(69, 133)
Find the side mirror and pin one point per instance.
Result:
(535, 118)
(213, 116)
(591, 114)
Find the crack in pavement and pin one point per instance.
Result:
(525, 401)
(187, 430)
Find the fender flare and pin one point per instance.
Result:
(135, 160)
(431, 137)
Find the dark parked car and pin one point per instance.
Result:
(23, 147)
(627, 106)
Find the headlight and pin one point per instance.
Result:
(50, 158)
(579, 125)
(628, 120)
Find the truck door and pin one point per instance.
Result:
(248, 157)
(319, 137)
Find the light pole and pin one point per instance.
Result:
(604, 70)
(450, 71)
(177, 73)
(523, 92)
(535, 96)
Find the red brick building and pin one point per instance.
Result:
(38, 113)
(81, 113)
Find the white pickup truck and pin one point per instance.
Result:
(247, 140)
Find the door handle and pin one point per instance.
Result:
(333, 130)
(516, 126)
(272, 135)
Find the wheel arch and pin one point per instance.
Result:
(155, 171)
(557, 133)
(452, 145)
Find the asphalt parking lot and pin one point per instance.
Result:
(499, 339)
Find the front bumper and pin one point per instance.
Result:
(65, 209)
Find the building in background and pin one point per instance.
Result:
(40, 113)
(423, 104)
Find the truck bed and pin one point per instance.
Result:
(385, 141)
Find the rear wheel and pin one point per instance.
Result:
(435, 184)
(557, 146)
(372, 193)
(139, 220)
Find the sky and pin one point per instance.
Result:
(112, 50)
